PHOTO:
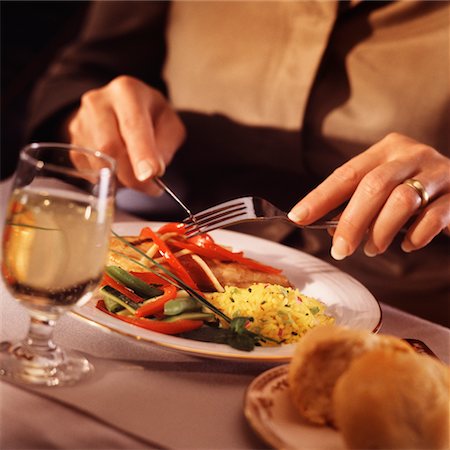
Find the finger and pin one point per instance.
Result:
(169, 134)
(340, 185)
(401, 205)
(127, 177)
(335, 189)
(331, 230)
(133, 107)
(365, 204)
(78, 137)
(94, 126)
(433, 219)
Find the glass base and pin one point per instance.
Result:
(20, 364)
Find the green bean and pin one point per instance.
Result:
(181, 305)
(138, 286)
(111, 296)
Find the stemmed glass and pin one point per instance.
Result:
(55, 244)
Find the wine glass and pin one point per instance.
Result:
(55, 244)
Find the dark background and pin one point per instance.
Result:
(32, 33)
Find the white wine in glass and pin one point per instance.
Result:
(55, 244)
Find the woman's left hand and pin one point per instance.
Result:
(380, 203)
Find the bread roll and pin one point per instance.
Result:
(388, 400)
(321, 357)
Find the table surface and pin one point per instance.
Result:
(145, 396)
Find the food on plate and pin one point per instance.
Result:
(390, 399)
(208, 272)
(320, 358)
(281, 313)
(166, 282)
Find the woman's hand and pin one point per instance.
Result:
(134, 124)
(379, 203)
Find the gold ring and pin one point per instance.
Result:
(420, 189)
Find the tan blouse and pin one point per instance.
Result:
(259, 63)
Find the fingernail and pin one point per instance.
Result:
(299, 213)
(340, 248)
(407, 247)
(144, 170)
(162, 164)
(370, 249)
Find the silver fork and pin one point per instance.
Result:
(243, 209)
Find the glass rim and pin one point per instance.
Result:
(26, 155)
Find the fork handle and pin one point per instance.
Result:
(324, 224)
(319, 225)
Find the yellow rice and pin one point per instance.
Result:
(280, 313)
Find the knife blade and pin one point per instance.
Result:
(160, 183)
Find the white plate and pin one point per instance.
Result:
(270, 412)
(347, 300)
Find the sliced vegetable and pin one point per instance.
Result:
(108, 281)
(112, 304)
(205, 242)
(150, 278)
(173, 227)
(197, 272)
(177, 327)
(135, 284)
(222, 336)
(181, 305)
(170, 258)
(171, 313)
(209, 273)
(194, 248)
(114, 296)
(190, 316)
(156, 305)
(177, 281)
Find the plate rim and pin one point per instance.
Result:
(211, 353)
(264, 434)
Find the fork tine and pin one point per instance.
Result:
(210, 214)
(212, 211)
(213, 225)
(216, 217)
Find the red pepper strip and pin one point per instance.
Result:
(150, 278)
(171, 259)
(202, 251)
(157, 305)
(107, 280)
(206, 242)
(173, 227)
(179, 326)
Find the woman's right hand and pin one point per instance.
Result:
(134, 124)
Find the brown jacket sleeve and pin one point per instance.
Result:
(118, 38)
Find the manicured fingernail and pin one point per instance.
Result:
(299, 213)
(144, 170)
(371, 250)
(340, 248)
(162, 164)
(407, 247)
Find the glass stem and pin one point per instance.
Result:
(40, 336)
